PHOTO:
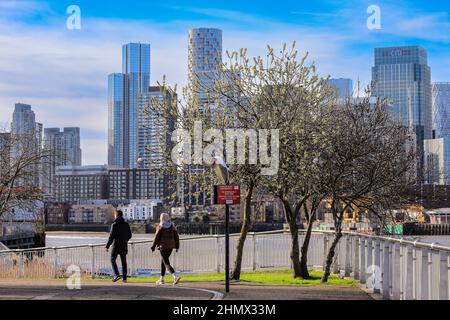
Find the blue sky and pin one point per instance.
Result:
(62, 73)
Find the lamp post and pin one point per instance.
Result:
(222, 174)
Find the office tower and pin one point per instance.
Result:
(116, 120)
(64, 149)
(402, 75)
(441, 109)
(78, 183)
(343, 87)
(437, 161)
(124, 90)
(204, 55)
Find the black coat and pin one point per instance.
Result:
(119, 236)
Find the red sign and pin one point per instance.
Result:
(227, 195)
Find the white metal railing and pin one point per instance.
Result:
(395, 268)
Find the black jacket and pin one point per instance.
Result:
(119, 236)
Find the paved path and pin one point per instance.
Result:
(91, 290)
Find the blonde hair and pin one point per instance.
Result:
(164, 217)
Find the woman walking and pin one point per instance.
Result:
(166, 239)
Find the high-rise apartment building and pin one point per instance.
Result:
(441, 109)
(123, 93)
(26, 137)
(116, 135)
(155, 131)
(204, 59)
(64, 150)
(204, 55)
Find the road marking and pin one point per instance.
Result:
(46, 297)
(216, 294)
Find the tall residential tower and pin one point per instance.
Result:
(64, 149)
(204, 55)
(123, 92)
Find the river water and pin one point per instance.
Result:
(62, 239)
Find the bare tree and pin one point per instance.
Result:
(367, 161)
(23, 165)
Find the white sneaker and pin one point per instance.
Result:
(176, 280)
(160, 282)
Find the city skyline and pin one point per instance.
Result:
(83, 58)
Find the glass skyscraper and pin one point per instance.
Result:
(152, 127)
(123, 93)
(402, 75)
(437, 161)
(441, 109)
(116, 120)
(343, 87)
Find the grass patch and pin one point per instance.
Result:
(258, 277)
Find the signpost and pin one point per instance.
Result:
(227, 195)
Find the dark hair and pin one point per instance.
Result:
(119, 213)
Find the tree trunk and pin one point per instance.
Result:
(304, 251)
(295, 249)
(236, 274)
(330, 255)
(291, 219)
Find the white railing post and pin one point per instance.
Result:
(21, 269)
(356, 246)
(443, 275)
(377, 267)
(362, 260)
(385, 278)
(369, 263)
(92, 261)
(325, 251)
(425, 274)
(132, 262)
(254, 252)
(347, 256)
(396, 275)
(218, 255)
(55, 263)
(409, 277)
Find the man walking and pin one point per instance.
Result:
(119, 236)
